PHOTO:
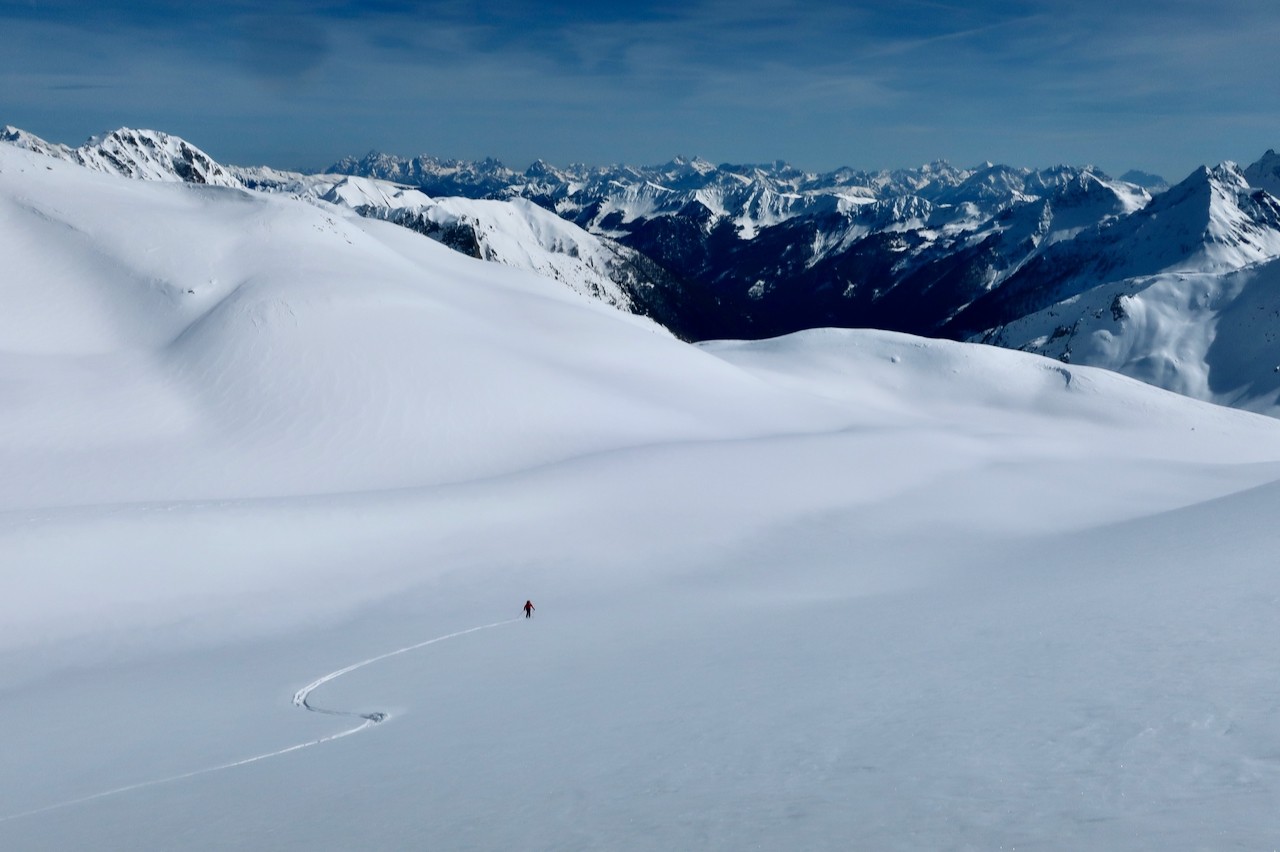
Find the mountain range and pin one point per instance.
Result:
(1066, 261)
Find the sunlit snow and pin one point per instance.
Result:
(839, 590)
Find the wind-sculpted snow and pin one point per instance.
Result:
(838, 589)
(270, 332)
(514, 234)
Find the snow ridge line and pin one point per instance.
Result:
(300, 699)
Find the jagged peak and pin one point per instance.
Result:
(1224, 175)
(540, 168)
(29, 141)
(141, 138)
(695, 164)
(9, 133)
(135, 153)
(1229, 170)
(375, 156)
(128, 135)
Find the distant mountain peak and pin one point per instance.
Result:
(141, 154)
(1146, 180)
(540, 168)
(1265, 173)
(17, 136)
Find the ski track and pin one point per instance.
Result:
(300, 699)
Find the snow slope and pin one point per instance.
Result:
(514, 233)
(1181, 295)
(843, 589)
(1207, 335)
(519, 234)
(218, 309)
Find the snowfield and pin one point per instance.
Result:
(839, 590)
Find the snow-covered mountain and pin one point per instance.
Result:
(211, 298)
(749, 197)
(520, 234)
(514, 233)
(1179, 294)
(1065, 262)
(1265, 173)
(709, 251)
(756, 250)
(1032, 259)
(277, 479)
(437, 177)
(141, 154)
(1213, 221)
(1209, 335)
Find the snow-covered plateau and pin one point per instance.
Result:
(277, 479)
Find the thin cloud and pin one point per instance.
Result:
(281, 49)
(894, 48)
(874, 82)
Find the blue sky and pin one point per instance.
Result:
(1162, 85)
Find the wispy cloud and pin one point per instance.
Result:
(869, 82)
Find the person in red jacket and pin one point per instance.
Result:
(528, 609)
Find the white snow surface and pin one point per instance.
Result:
(839, 590)
(515, 233)
(520, 234)
(1208, 335)
(1188, 302)
(139, 154)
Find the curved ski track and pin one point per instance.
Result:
(300, 699)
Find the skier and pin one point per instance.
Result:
(528, 609)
